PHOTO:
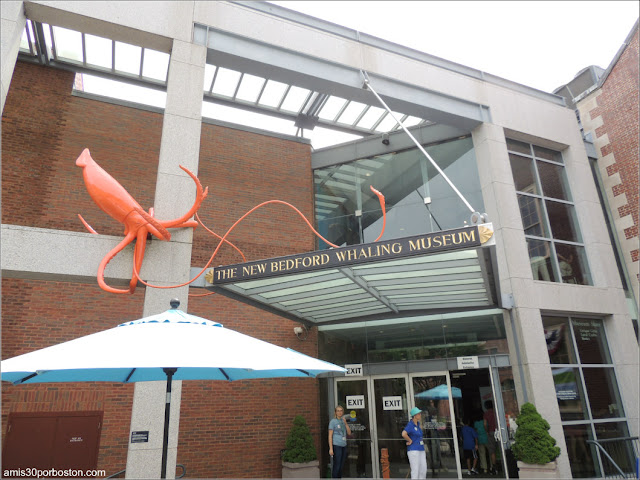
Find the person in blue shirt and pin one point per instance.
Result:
(412, 434)
(338, 431)
(470, 446)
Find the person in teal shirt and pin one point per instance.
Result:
(483, 442)
(338, 431)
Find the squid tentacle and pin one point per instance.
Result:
(138, 256)
(108, 257)
(87, 226)
(200, 196)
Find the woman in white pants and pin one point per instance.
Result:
(412, 433)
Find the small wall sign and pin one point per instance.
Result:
(467, 362)
(140, 436)
(355, 401)
(353, 370)
(392, 403)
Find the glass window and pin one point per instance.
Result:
(587, 393)
(553, 180)
(602, 389)
(533, 218)
(523, 174)
(546, 211)
(540, 255)
(572, 263)
(417, 199)
(547, 154)
(562, 221)
(591, 341)
(519, 147)
(569, 393)
(622, 452)
(416, 338)
(559, 342)
(582, 456)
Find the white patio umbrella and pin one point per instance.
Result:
(167, 346)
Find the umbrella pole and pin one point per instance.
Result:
(167, 413)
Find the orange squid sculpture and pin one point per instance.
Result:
(116, 202)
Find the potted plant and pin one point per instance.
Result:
(534, 448)
(300, 459)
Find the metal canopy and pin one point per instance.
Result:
(420, 283)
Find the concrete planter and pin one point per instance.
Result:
(531, 470)
(301, 470)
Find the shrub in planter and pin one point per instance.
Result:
(299, 447)
(299, 459)
(533, 444)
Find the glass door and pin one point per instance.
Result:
(433, 394)
(354, 396)
(377, 409)
(391, 413)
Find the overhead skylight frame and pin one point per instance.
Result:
(44, 44)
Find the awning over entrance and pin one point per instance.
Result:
(440, 272)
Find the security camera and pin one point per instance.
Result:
(385, 139)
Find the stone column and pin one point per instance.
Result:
(515, 276)
(175, 193)
(11, 28)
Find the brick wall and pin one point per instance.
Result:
(37, 314)
(226, 429)
(611, 113)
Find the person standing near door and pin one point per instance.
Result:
(483, 441)
(412, 434)
(338, 431)
(489, 418)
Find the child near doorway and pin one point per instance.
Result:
(470, 446)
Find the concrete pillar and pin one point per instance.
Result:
(514, 273)
(13, 23)
(175, 193)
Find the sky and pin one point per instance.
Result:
(539, 44)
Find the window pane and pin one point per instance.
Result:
(554, 181)
(591, 341)
(622, 452)
(155, 64)
(68, 43)
(523, 175)
(547, 154)
(540, 255)
(581, 454)
(98, 50)
(341, 231)
(602, 390)
(128, 58)
(573, 264)
(559, 344)
(519, 147)
(569, 393)
(562, 221)
(533, 219)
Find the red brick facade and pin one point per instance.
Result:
(616, 114)
(226, 429)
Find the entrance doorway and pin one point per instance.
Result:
(377, 409)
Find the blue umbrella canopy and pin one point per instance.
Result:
(440, 392)
(167, 346)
